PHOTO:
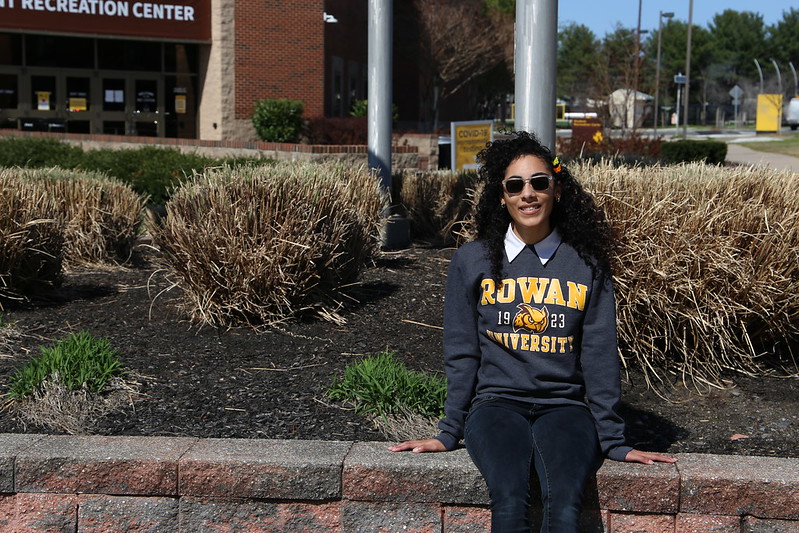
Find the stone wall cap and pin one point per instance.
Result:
(377, 454)
(739, 467)
(99, 448)
(14, 443)
(279, 452)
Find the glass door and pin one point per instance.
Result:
(9, 100)
(46, 114)
(114, 117)
(78, 104)
(147, 109)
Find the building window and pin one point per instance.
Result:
(62, 52)
(113, 94)
(44, 94)
(353, 77)
(10, 49)
(115, 54)
(8, 91)
(337, 88)
(180, 58)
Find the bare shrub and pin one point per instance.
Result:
(405, 425)
(256, 245)
(708, 272)
(438, 203)
(53, 406)
(31, 239)
(101, 215)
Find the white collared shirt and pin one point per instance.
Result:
(545, 248)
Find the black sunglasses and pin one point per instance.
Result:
(515, 184)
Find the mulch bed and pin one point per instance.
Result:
(206, 382)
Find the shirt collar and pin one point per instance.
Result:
(545, 248)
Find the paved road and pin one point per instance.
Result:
(741, 154)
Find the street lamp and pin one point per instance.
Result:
(687, 70)
(661, 16)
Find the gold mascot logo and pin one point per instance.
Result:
(530, 318)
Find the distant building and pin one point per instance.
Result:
(629, 109)
(176, 68)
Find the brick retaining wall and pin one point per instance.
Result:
(166, 484)
(405, 154)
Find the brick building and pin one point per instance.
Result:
(176, 68)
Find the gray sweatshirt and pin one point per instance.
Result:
(546, 336)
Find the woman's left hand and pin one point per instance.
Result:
(648, 458)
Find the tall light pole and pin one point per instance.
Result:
(380, 16)
(536, 64)
(687, 69)
(637, 67)
(661, 16)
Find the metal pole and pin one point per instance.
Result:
(795, 82)
(779, 86)
(637, 68)
(657, 66)
(379, 90)
(760, 72)
(687, 70)
(536, 66)
(779, 75)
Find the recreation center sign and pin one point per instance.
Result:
(178, 20)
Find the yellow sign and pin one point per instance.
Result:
(180, 103)
(77, 104)
(769, 112)
(43, 100)
(468, 138)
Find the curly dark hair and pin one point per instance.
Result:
(581, 223)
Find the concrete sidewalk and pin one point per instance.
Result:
(741, 154)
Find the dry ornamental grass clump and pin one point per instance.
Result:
(101, 215)
(435, 203)
(257, 245)
(707, 278)
(31, 238)
(98, 216)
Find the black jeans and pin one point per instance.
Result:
(508, 439)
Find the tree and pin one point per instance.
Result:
(739, 37)
(578, 57)
(618, 51)
(708, 77)
(503, 6)
(784, 40)
(460, 41)
(616, 66)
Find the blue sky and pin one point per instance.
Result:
(601, 16)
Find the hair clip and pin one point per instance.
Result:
(556, 165)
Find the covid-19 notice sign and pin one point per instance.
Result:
(468, 138)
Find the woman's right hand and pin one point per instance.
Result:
(419, 446)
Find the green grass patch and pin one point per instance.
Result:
(382, 385)
(78, 361)
(788, 146)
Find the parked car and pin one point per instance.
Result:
(792, 113)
